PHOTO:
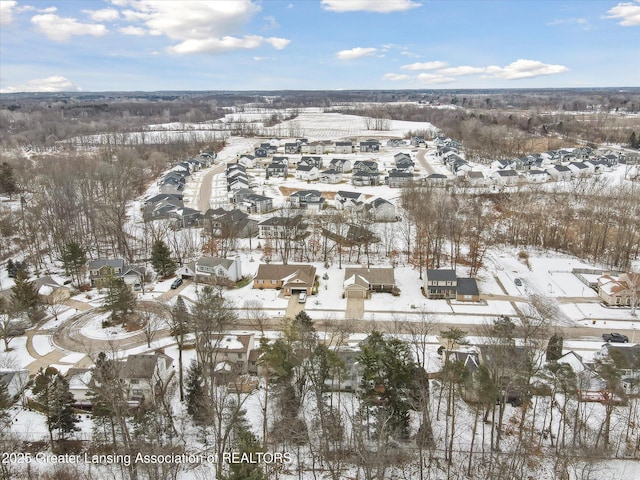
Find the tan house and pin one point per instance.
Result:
(360, 282)
(623, 290)
(50, 291)
(290, 278)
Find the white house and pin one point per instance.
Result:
(307, 173)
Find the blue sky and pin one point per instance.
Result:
(64, 45)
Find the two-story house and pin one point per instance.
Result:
(309, 199)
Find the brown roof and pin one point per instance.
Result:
(287, 273)
(375, 276)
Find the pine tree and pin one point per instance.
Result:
(120, 300)
(195, 393)
(161, 259)
(8, 183)
(73, 257)
(52, 393)
(24, 294)
(180, 325)
(245, 442)
(554, 348)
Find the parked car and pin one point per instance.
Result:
(615, 338)
(518, 282)
(176, 283)
(302, 297)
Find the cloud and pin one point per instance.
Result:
(396, 77)
(461, 70)
(131, 30)
(6, 12)
(431, 78)
(379, 6)
(356, 52)
(628, 12)
(54, 83)
(442, 74)
(61, 29)
(226, 44)
(524, 69)
(104, 15)
(424, 66)
(271, 23)
(198, 26)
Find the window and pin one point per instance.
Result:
(135, 381)
(240, 356)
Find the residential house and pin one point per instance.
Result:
(247, 161)
(80, 384)
(292, 148)
(536, 176)
(590, 385)
(254, 203)
(286, 160)
(365, 179)
(160, 197)
(580, 169)
(505, 177)
(626, 358)
(397, 179)
(213, 270)
(291, 279)
(342, 165)
(50, 291)
(623, 290)
(360, 282)
(366, 166)
(229, 223)
(307, 173)
(440, 283)
(227, 353)
(560, 172)
(467, 290)
(309, 199)
(437, 179)
(396, 142)
(143, 377)
(419, 142)
(370, 146)
(475, 178)
(330, 176)
(445, 284)
(315, 161)
(261, 152)
(277, 169)
(348, 377)
(382, 210)
(293, 228)
(15, 381)
(344, 147)
(344, 200)
(101, 271)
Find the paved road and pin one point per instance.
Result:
(204, 195)
(420, 157)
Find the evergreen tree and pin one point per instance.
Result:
(120, 300)
(195, 393)
(52, 393)
(554, 348)
(24, 294)
(386, 381)
(180, 325)
(73, 257)
(245, 442)
(8, 183)
(161, 259)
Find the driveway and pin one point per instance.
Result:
(355, 308)
(294, 306)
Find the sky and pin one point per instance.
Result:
(154, 45)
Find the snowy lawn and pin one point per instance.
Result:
(42, 344)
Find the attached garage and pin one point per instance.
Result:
(356, 287)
